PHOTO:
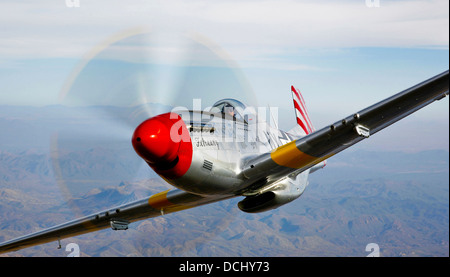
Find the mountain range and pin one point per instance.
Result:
(397, 200)
(406, 213)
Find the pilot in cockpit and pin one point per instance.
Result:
(228, 109)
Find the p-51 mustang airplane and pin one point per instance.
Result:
(229, 151)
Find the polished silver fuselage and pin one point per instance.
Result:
(223, 146)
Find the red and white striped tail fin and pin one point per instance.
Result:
(304, 125)
(301, 112)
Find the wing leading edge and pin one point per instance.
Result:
(301, 154)
(358, 126)
(158, 204)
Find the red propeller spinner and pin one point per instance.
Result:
(164, 143)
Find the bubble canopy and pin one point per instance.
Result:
(234, 108)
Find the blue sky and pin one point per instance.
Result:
(343, 55)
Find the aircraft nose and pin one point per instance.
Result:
(153, 142)
(164, 143)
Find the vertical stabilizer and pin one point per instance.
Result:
(304, 125)
(303, 120)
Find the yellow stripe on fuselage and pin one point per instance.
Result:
(160, 202)
(289, 155)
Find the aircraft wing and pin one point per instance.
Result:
(296, 156)
(117, 218)
(301, 154)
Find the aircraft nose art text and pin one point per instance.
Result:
(164, 143)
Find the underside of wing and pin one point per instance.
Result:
(117, 218)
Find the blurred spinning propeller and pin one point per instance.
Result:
(123, 81)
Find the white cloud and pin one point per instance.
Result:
(251, 31)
